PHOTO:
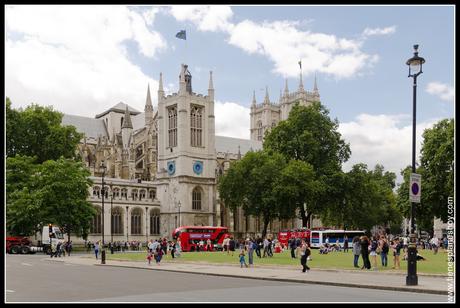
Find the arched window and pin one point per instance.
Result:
(96, 191)
(259, 131)
(124, 193)
(154, 222)
(172, 126)
(142, 194)
(134, 194)
(116, 193)
(117, 220)
(121, 122)
(196, 198)
(136, 221)
(152, 194)
(96, 222)
(196, 126)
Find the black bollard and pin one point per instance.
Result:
(103, 256)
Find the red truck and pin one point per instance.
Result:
(17, 244)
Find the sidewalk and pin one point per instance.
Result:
(431, 284)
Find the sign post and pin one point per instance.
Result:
(415, 188)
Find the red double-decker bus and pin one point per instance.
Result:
(285, 235)
(189, 237)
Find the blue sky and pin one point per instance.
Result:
(85, 59)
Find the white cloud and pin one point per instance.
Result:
(232, 120)
(379, 31)
(205, 17)
(73, 57)
(443, 91)
(282, 42)
(383, 139)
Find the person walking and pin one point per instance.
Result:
(96, 249)
(374, 246)
(159, 254)
(345, 243)
(356, 251)
(364, 242)
(242, 259)
(231, 245)
(384, 249)
(434, 244)
(250, 248)
(304, 254)
(292, 245)
(396, 247)
(149, 256)
(259, 245)
(208, 245)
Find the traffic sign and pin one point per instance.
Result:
(415, 188)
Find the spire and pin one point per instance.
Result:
(301, 89)
(239, 153)
(286, 90)
(160, 83)
(254, 98)
(281, 96)
(148, 101)
(315, 87)
(211, 85)
(267, 99)
(127, 120)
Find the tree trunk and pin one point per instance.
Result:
(264, 231)
(303, 216)
(308, 220)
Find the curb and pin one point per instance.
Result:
(338, 284)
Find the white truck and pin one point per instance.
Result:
(50, 236)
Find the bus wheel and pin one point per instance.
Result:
(25, 250)
(14, 250)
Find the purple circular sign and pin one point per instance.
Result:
(415, 188)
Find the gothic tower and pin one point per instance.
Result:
(186, 154)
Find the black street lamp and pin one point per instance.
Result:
(103, 167)
(111, 214)
(415, 68)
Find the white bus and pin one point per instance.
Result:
(321, 237)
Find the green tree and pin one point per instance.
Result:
(298, 188)
(23, 208)
(37, 131)
(437, 165)
(64, 190)
(437, 171)
(363, 199)
(309, 135)
(252, 184)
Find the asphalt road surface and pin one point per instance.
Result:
(32, 278)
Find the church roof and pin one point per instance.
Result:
(229, 144)
(89, 126)
(120, 108)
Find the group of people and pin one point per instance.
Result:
(377, 245)
(61, 248)
(156, 249)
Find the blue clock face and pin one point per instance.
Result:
(198, 167)
(171, 167)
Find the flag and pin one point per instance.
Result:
(181, 35)
(300, 64)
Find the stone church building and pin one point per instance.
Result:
(156, 170)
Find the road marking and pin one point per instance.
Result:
(10, 291)
(26, 264)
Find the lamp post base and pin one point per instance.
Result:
(412, 278)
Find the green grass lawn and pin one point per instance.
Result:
(435, 264)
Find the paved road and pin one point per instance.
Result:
(32, 278)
